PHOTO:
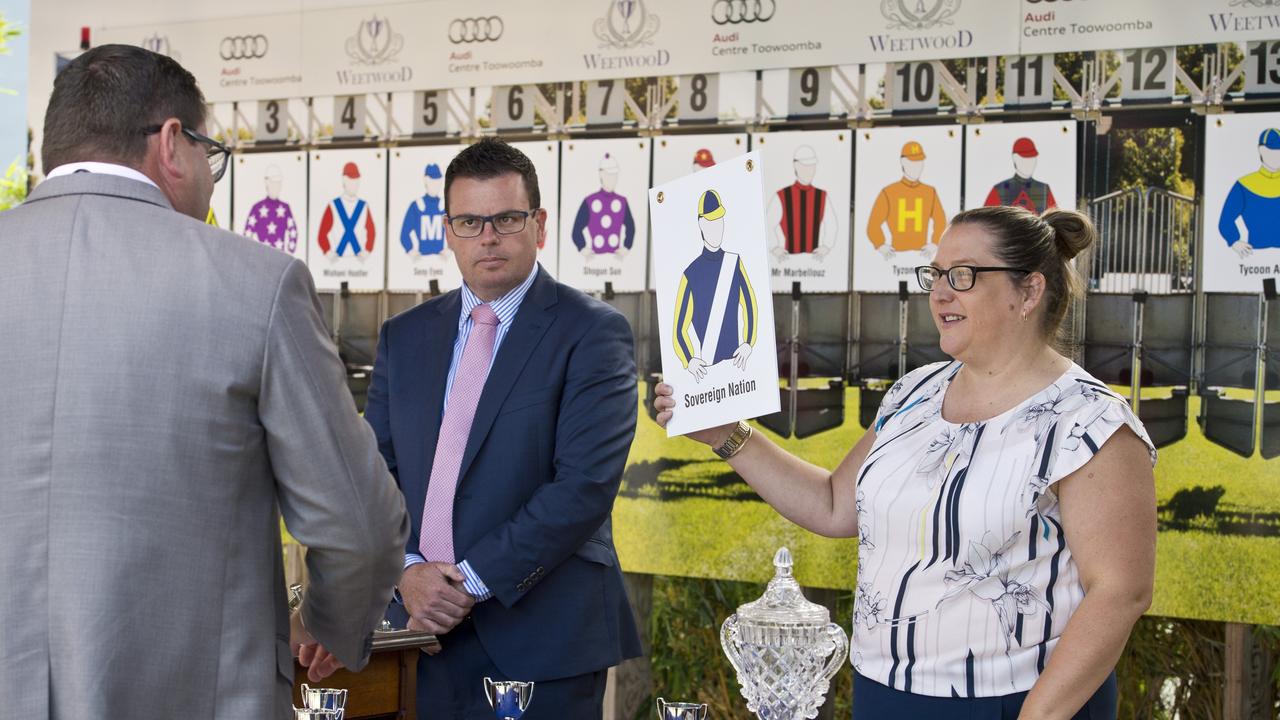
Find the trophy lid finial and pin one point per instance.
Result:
(783, 603)
(782, 562)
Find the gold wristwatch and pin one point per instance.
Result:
(733, 444)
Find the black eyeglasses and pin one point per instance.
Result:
(960, 277)
(217, 153)
(508, 222)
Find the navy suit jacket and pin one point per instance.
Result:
(539, 475)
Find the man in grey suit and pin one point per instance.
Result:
(168, 392)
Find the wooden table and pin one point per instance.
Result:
(387, 687)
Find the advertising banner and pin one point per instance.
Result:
(234, 58)
(464, 43)
(1079, 26)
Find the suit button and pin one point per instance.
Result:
(540, 570)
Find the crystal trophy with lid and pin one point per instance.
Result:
(784, 648)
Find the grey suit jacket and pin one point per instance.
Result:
(167, 391)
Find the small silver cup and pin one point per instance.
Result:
(323, 698)
(681, 710)
(508, 698)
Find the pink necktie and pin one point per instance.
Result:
(437, 513)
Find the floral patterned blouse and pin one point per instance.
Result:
(965, 577)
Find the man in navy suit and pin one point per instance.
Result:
(506, 409)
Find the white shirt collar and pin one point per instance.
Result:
(101, 168)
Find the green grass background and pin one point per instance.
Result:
(695, 522)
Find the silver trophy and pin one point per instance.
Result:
(316, 702)
(508, 698)
(681, 710)
(784, 648)
(316, 714)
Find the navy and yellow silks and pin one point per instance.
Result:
(693, 308)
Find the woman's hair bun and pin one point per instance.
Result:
(1073, 231)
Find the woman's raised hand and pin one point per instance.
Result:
(665, 404)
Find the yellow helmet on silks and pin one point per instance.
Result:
(709, 205)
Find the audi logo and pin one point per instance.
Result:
(725, 12)
(243, 47)
(469, 30)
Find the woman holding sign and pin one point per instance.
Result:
(1004, 500)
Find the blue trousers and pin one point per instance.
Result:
(451, 683)
(873, 701)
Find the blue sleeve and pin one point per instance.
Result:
(579, 223)
(629, 223)
(406, 230)
(1231, 209)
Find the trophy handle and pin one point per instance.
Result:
(702, 712)
(839, 654)
(526, 695)
(662, 709)
(488, 690)
(726, 642)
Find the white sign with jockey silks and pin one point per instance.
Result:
(347, 210)
(417, 251)
(1241, 201)
(1031, 165)
(806, 186)
(604, 219)
(271, 200)
(715, 314)
(908, 187)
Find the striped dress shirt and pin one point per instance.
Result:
(505, 308)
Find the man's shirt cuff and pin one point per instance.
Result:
(472, 582)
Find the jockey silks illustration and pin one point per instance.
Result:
(716, 311)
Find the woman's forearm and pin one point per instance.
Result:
(1085, 655)
(802, 492)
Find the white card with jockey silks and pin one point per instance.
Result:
(715, 309)
(347, 217)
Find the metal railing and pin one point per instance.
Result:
(1146, 241)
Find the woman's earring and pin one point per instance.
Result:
(1024, 316)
